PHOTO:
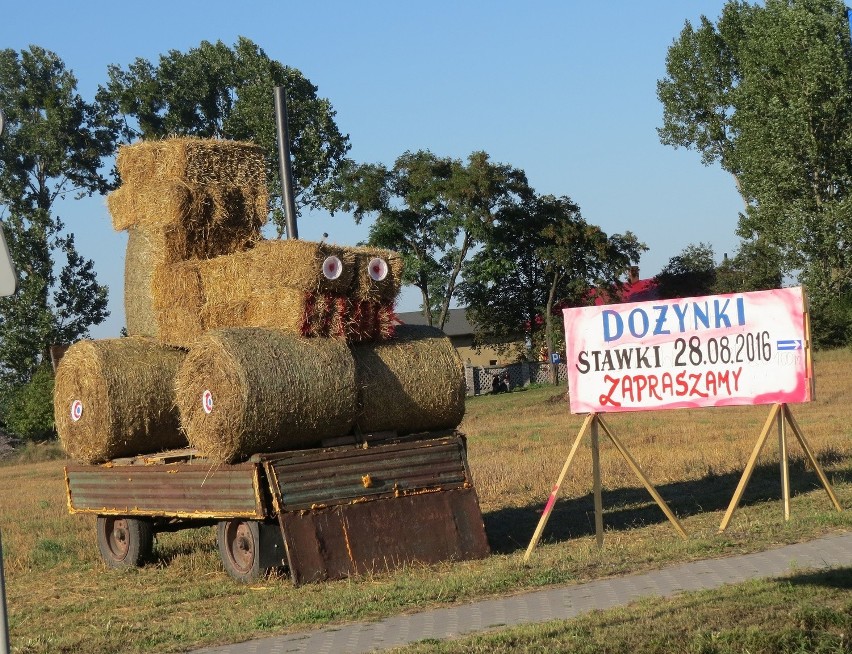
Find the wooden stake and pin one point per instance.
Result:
(749, 469)
(814, 463)
(552, 499)
(592, 423)
(648, 486)
(596, 481)
(781, 413)
(785, 468)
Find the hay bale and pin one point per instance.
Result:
(139, 261)
(294, 264)
(115, 398)
(177, 299)
(202, 161)
(413, 382)
(195, 207)
(243, 391)
(367, 287)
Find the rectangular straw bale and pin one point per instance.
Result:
(194, 206)
(367, 288)
(177, 302)
(139, 262)
(202, 161)
(277, 264)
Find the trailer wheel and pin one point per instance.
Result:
(239, 547)
(124, 542)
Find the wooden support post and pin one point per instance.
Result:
(648, 486)
(552, 499)
(592, 424)
(780, 413)
(749, 469)
(811, 458)
(596, 481)
(785, 468)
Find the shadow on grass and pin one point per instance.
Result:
(511, 529)
(830, 578)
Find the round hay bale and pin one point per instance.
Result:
(410, 383)
(250, 390)
(115, 397)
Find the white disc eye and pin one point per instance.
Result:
(378, 269)
(76, 410)
(332, 267)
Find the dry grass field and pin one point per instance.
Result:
(62, 598)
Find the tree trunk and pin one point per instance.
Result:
(548, 330)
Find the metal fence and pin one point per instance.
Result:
(480, 380)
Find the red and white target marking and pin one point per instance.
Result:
(332, 267)
(378, 269)
(207, 401)
(76, 410)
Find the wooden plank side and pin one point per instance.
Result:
(169, 490)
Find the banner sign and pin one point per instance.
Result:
(718, 350)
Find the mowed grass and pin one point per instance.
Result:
(62, 598)
(803, 612)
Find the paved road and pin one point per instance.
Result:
(552, 603)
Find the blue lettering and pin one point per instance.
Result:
(721, 316)
(740, 312)
(619, 325)
(661, 319)
(632, 324)
(680, 312)
(704, 316)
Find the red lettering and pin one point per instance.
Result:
(652, 387)
(694, 389)
(682, 386)
(607, 399)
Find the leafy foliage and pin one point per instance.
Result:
(539, 256)
(53, 145)
(434, 211)
(690, 273)
(28, 413)
(216, 91)
(767, 92)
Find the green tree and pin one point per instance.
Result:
(216, 91)
(538, 257)
(767, 92)
(690, 273)
(755, 266)
(28, 412)
(434, 211)
(53, 145)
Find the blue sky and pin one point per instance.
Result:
(564, 90)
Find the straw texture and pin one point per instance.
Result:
(244, 391)
(413, 382)
(123, 390)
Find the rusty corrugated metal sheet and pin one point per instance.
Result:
(382, 535)
(318, 478)
(173, 490)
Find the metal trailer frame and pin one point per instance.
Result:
(325, 513)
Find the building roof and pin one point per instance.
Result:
(456, 325)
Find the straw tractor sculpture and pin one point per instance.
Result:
(265, 388)
(237, 345)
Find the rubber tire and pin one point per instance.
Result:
(124, 542)
(239, 547)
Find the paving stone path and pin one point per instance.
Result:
(552, 603)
